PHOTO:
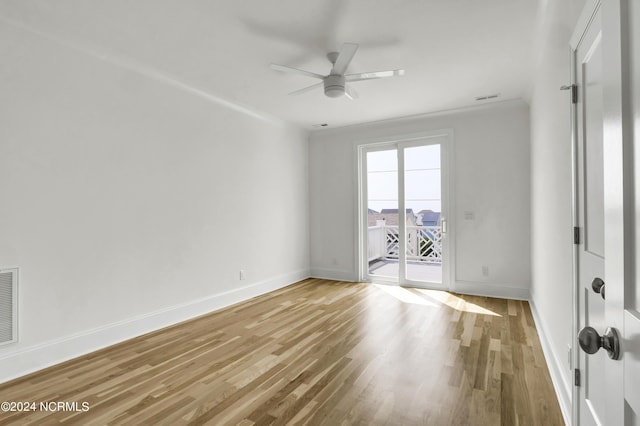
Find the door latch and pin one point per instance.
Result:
(574, 92)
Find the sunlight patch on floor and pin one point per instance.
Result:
(456, 302)
(404, 295)
(433, 298)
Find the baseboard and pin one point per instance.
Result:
(27, 360)
(490, 290)
(464, 287)
(556, 366)
(333, 274)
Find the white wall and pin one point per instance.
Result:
(491, 155)
(129, 203)
(551, 191)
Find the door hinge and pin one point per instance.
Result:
(576, 235)
(574, 92)
(576, 377)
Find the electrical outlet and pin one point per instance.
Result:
(242, 274)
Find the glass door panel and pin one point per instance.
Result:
(383, 237)
(423, 204)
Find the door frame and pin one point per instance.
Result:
(361, 147)
(619, 229)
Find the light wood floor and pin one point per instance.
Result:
(317, 352)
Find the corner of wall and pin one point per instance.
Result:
(333, 274)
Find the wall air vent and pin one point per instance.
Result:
(486, 97)
(8, 305)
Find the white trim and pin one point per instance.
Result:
(562, 387)
(383, 141)
(333, 274)
(128, 63)
(575, 285)
(33, 358)
(360, 185)
(586, 16)
(399, 141)
(449, 199)
(402, 214)
(506, 103)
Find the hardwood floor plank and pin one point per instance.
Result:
(317, 352)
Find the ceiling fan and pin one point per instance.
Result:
(335, 83)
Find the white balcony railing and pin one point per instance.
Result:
(377, 243)
(424, 243)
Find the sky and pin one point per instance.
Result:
(422, 179)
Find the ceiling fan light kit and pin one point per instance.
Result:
(334, 86)
(335, 83)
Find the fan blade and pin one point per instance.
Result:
(350, 92)
(284, 68)
(373, 75)
(306, 89)
(344, 58)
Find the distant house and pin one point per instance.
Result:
(390, 217)
(429, 218)
(391, 211)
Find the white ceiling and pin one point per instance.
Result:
(451, 50)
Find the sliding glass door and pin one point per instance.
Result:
(383, 223)
(404, 212)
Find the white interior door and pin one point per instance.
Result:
(590, 220)
(607, 317)
(631, 320)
